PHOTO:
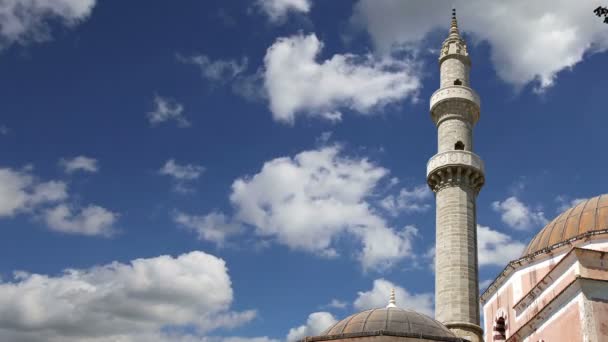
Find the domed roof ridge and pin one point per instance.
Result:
(390, 321)
(587, 219)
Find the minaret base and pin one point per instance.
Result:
(468, 331)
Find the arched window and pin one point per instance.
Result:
(459, 145)
(458, 82)
(499, 329)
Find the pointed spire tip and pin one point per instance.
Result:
(392, 303)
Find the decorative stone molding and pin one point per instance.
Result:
(456, 94)
(454, 168)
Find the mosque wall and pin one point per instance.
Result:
(536, 301)
(553, 328)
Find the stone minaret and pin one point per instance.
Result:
(456, 175)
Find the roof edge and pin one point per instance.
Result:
(380, 333)
(526, 259)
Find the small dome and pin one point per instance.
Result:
(588, 219)
(390, 321)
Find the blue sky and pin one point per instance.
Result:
(255, 170)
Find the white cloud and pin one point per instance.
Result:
(565, 203)
(379, 295)
(230, 72)
(277, 10)
(30, 21)
(214, 227)
(131, 337)
(80, 163)
(308, 201)
(167, 109)
(337, 304)
(529, 41)
(297, 84)
(496, 248)
(316, 323)
(91, 220)
(408, 201)
(218, 70)
(20, 191)
(181, 174)
(517, 215)
(122, 302)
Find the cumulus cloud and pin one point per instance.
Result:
(79, 163)
(229, 72)
(214, 227)
(496, 248)
(529, 42)
(30, 21)
(167, 109)
(517, 215)
(308, 201)
(337, 304)
(298, 84)
(122, 302)
(91, 220)
(379, 295)
(216, 70)
(316, 323)
(408, 201)
(181, 172)
(20, 191)
(277, 10)
(182, 175)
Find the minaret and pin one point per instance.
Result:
(456, 175)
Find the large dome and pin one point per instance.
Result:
(585, 221)
(390, 321)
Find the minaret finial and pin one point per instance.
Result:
(454, 24)
(392, 303)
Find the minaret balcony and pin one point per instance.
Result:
(455, 167)
(456, 91)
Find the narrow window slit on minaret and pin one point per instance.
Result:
(458, 82)
(459, 145)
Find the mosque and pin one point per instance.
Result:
(556, 291)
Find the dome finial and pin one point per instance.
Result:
(392, 303)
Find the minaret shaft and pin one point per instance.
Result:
(456, 175)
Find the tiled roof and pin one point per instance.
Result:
(388, 321)
(588, 219)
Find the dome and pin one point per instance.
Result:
(390, 321)
(586, 220)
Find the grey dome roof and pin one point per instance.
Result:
(391, 321)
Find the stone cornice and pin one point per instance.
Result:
(455, 168)
(455, 93)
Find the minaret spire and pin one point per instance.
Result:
(392, 303)
(456, 175)
(454, 24)
(454, 45)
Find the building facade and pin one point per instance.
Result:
(558, 289)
